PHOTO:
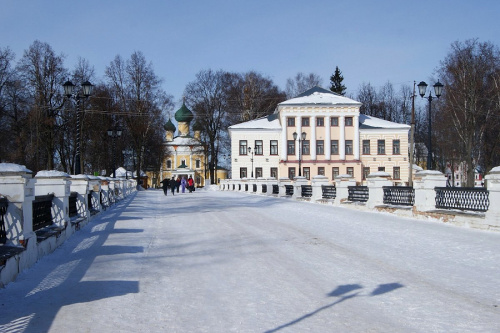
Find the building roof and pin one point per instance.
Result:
(369, 122)
(169, 126)
(268, 122)
(184, 141)
(320, 96)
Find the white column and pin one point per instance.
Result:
(284, 146)
(342, 137)
(328, 139)
(356, 137)
(313, 137)
(191, 160)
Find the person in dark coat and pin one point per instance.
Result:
(164, 184)
(178, 183)
(173, 185)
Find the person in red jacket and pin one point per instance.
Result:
(190, 184)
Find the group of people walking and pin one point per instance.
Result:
(175, 184)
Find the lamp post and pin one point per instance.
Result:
(438, 87)
(69, 91)
(301, 138)
(114, 133)
(251, 151)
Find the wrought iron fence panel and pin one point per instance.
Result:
(289, 190)
(42, 211)
(255, 187)
(264, 188)
(276, 189)
(306, 191)
(358, 193)
(463, 198)
(73, 198)
(246, 187)
(328, 191)
(4, 204)
(399, 195)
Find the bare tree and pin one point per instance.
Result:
(300, 83)
(468, 73)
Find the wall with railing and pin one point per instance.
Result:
(429, 198)
(37, 214)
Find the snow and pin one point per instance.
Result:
(51, 174)
(321, 98)
(11, 167)
(373, 122)
(270, 122)
(219, 261)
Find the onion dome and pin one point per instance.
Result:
(184, 115)
(169, 126)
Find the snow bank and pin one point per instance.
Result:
(51, 173)
(11, 167)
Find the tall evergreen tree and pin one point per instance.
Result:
(336, 82)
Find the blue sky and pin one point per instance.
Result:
(370, 41)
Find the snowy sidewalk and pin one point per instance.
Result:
(235, 262)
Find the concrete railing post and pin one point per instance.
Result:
(317, 191)
(80, 184)
(424, 184)
(95, 198)
(281, 183)
(493, 186)
(270, 182)
(297, 186)
(376, 181)
(342, 183)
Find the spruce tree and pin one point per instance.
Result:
(336, 82)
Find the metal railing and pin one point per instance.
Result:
(276, 189)
(42, 211)
(358, 193)
(73, 209)
(246, 187)
(264, 188)
(255, 187)
(289, 190)
(306, 191)
(462, 198)
(4, 204)
(328, 191)
(399, 195)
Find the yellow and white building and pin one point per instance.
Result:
(331, 138)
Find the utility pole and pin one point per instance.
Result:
(412, 136)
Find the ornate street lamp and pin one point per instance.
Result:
(438, 88)
(301, 138)
(71, 92)
(115, 133)
(251, 151)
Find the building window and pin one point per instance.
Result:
(307, 172)
(306, 148)
(291, 147)
(320, 147)
(348, 147)
(335, 172)
(348, 121)
(169, 164)
(396, 173)
(274, 173)
(243, 172)
(198, 164)
(274, 147)
(258, 172)
(350, 171)
(290, 121)
(396, 147)
(291, 173)
(366, 172)
(243, 147)
(320, 121)
(321, 171)
(305, 121)
(381, 147)
(381, 169)
(258, 147)
(366, 147)
(335, 147)
(334, 121)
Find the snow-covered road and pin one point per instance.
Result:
(233, 262)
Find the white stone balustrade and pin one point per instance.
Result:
(376, 181)
(57, 183)
(317, 191)
(493, 186)
(297, 186)
(424, 184)
(342, 183)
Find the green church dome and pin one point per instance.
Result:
(169, 126)
(184, 114)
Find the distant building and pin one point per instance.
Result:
(338, 140)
